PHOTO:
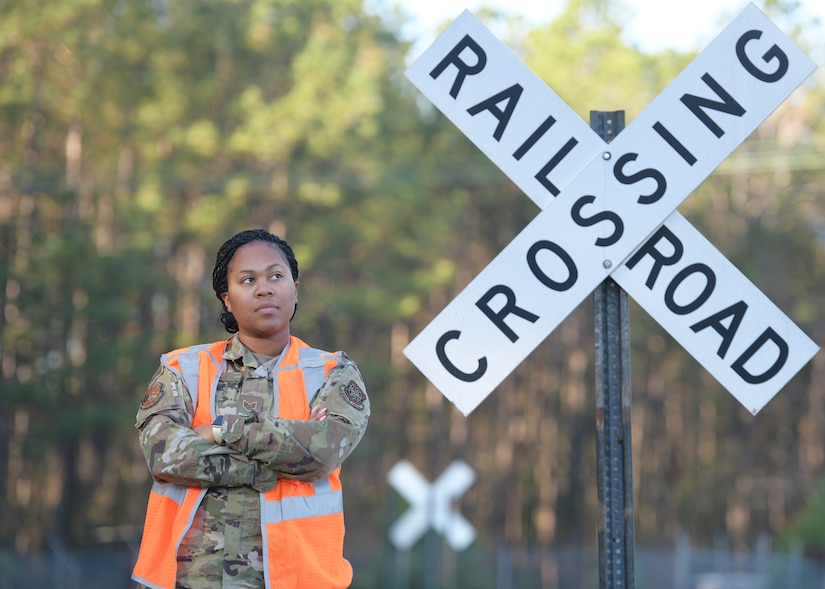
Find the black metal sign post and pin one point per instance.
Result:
(613, 426)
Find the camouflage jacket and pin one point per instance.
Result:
(223, 546)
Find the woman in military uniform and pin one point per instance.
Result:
(245, 438)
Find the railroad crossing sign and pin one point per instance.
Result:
(609, 210)
(431, 505)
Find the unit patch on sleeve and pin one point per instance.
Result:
(353, 395)
(152, 396)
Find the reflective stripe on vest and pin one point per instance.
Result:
(324, 501)
(174, 492)
(186, 363)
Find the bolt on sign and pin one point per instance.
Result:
(610, 210)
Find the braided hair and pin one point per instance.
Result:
(224, 257)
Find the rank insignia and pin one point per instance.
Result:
(152, 396)
(353, 395)
(249, 402)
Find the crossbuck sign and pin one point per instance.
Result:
(609, 210)
(432, 505)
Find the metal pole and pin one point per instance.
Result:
(613, 431)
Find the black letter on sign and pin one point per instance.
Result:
(572, 272)
(736, 312)
(782, 346)
(508, 308)
(554, 161)
(773, 53)
(511, 95)
(534, 137)
(644, 199)
(464, 70)
(659, 259)
(677, 281)
(618, 226)
(677, 145)
(696, 104)
(451, 368)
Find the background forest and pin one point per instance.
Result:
(135, 137)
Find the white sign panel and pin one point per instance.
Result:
(750, 346)
(604, 213)
(513, 117)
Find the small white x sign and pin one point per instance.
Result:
(431, 505)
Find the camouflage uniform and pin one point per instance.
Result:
(223, 548)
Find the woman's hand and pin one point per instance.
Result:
(318, 414)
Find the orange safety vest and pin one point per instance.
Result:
(302, 523)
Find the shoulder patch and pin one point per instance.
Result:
(353, 395)
(152, 396)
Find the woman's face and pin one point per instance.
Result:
(261, 293)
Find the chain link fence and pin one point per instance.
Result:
(432, 564)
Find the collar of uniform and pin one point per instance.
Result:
(237, 352)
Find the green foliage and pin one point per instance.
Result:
(808, 528)
(581, 56)
(136, 136)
